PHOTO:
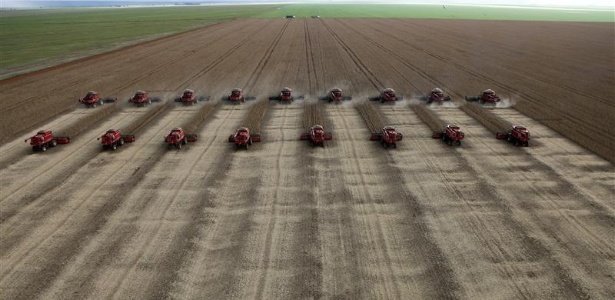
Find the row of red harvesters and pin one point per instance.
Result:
(388, 136)
(189, 97)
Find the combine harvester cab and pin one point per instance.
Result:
(487, 97)
(437, 96)
(387, 95)
(92, 98)
(242, 138)
(317, 136)
(286, 96)
(388, 137)
(451, 135)
(178, 137)
(142, 98)
(189, 97)
(336, 96)
(517, 135)
(237, 96)
(45, 139)
(113, 138)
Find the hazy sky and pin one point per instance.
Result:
(573, 3)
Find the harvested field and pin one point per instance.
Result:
(351, 220)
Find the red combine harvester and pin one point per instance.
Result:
(92, 98)
(388, 136)
(451, 134)
(178, 137)
(436, 95)
(336, 95)
(517, 135)
(242, 138)
(387, 95)
(44, 140)
(188, 97)
(488, 96)
(237, 96)
(142, 98)
(317, 136)
(113, 138)
(286, 96)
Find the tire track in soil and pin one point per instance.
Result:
(50, 266)
(85, 268)
(317, 46)
(403, 61)
(268, 264)
(42, 210)
(532, 248)
(174, 260)
(400, 59)
(468, 70)
(289, 265)
(383, 250)
(56, 181)
(447, 280)
(206, 69)
(224, 241)
(554, 195)
(587, 140)
(169, 281)
(46, 165)
(311, 64)
(373, 79)
(251, 82)
(590, 174)
(226, 281)
(338, 234)
(228, 54)
(15, 151)
(187, 233)
(566, 280)
(424, 75)
(166, 63)
(273, 216)
(565, 186)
